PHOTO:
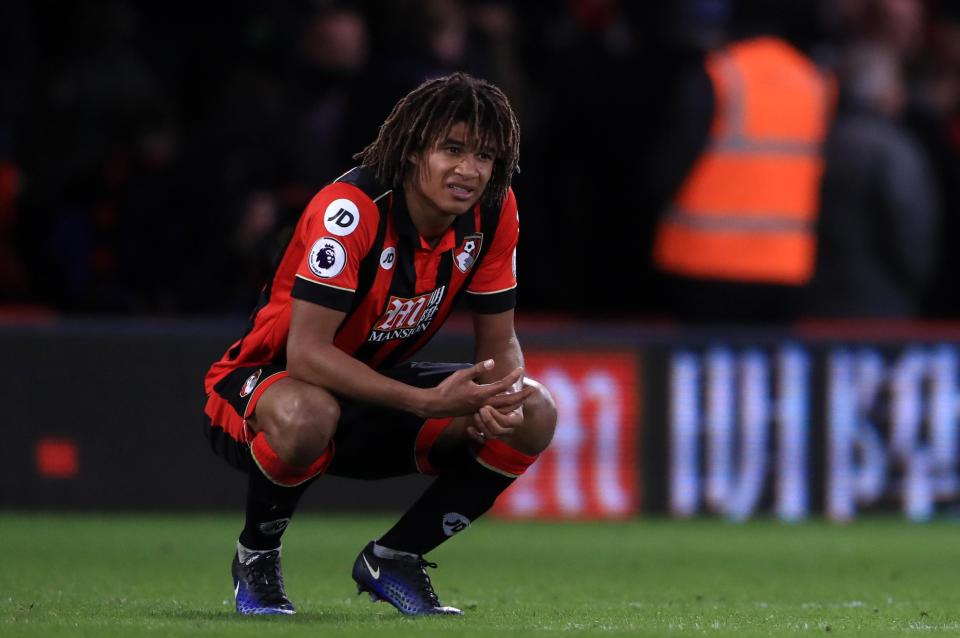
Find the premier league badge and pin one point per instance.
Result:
(327, 257)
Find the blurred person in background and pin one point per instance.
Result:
(319, 383)
(879, 255)
(333, 53)
(895, 25)
(879, 210)
(933, 117)
(437, 37)
(741, 167)
(304, 133)
(242, 147)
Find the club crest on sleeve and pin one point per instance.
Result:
(341, 217)
(388, 257)
(327, 257)
(250, 383)
(466, 255)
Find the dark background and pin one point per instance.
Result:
(151, 154)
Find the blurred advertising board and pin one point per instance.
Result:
(793, 429)
(830, 420)
(590, 469)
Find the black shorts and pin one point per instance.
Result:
(371, 442)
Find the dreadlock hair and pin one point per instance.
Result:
(423, 117)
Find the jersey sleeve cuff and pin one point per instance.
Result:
(492, 303)
(321, 294)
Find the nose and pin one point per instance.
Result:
(467, 166)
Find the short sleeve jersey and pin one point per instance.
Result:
(356, 250)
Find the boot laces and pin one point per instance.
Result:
(419, 570)
(265, 574)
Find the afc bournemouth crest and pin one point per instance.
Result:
(250, 383)
(465, 256)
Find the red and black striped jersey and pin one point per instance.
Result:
(356, 250)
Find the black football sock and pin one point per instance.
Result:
(449, 505)
(269, 509)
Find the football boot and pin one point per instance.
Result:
(258, 584)
(403, 582)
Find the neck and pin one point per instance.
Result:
(429, 222)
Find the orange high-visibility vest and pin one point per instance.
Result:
(747, 211)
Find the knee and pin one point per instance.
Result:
(307, 424)
(539, 420)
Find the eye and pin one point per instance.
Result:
(453, 149)
(485, 156)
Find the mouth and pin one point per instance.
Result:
(461, 192)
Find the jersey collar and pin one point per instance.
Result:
(407, 231)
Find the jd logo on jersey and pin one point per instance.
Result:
(341, 217)
(407, 317)
(388, 257)
(465, 256)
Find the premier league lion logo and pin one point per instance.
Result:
(326, 257)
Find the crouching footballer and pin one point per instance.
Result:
(322, 382)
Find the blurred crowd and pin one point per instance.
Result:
(153, 155)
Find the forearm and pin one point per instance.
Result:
(507, 356)
(497, 340)
(332, 369)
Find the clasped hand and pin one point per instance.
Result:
(496, 408)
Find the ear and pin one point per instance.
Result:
(413, 158)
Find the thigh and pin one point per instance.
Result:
(374, 442)
(229, 405)
(288, 401)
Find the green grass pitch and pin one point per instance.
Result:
(104, 576)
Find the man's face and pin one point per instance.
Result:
(455, 173)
